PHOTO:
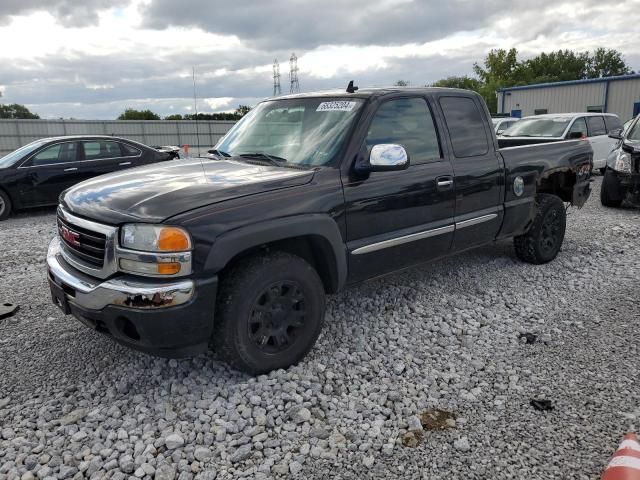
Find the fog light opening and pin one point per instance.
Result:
(127, 328)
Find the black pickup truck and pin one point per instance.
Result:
(305, 195)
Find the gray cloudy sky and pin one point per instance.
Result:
(94, 58)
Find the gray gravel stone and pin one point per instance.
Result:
(174, 441)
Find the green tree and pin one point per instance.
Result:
(132, 114)
(558, 66)
(175, 116)
(465, 82)
(604, 62)
(402, 83)
(242, 110)
(15, 110)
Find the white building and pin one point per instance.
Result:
(619, 95)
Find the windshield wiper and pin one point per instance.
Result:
(219, 153)
(271, 159)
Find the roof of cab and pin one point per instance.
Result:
(365, 92)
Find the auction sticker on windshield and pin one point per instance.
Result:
(337, 106)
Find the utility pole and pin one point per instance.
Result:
(276, 78)
(293, 74)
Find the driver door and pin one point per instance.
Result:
(399, 218)
(49, 172)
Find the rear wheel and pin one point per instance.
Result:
(5, 206)
(611, 194)
(543, 241)
(270, 312)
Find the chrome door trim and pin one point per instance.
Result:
(392, 242)
(476, 221)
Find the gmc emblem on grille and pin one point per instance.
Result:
(70, 236)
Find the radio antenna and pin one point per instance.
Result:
(195, 108)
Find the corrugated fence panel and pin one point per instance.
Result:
(201, 134)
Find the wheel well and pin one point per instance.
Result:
(315, 249)
(559, 184)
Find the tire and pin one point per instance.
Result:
(543, 241)
(603, 170)
(611, 194)
(270, 311)
(5, 206)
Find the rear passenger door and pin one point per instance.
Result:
(599, 140)
(400, 218)
(478, 171)
(100, 157)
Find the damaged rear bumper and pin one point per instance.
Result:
(167, 318)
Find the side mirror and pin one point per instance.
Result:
(616, 133)
(386, 157)
(576, 135)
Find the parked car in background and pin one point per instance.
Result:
(500, 124)
(622, 177)
(35, 174)
(310, 193)
(554, 127)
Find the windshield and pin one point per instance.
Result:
(299, 131)
(634, 133)
(20, 153)
(538, 127)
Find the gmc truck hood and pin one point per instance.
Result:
(156, 192)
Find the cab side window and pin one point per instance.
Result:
(596, 126)
(60, 153)
(466, 126)
(579, 126)
(407, 122)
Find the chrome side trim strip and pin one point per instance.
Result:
(424, 234)
(476, 221)
(404, 239)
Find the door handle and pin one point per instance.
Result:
(72, 169)
(122, 164)
(444, 183)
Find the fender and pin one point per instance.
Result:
(234, 242)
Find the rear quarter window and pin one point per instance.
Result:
(466, 126)
(612, 123)
(596, 126)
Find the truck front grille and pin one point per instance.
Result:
(85, 245)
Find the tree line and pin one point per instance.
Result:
(132, 114)
(502, 68)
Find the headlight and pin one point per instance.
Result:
(155, 238)
(154, 250)
(622, 161)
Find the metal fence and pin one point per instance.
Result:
(198, 135)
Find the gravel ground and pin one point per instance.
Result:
(73, 404)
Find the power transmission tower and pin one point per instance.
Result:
(293, 74)
(276, 78)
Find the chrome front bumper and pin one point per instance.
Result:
(125, 291)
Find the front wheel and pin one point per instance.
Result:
(543, 241)
(269, 314)
(5, 206)
(611, 194)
